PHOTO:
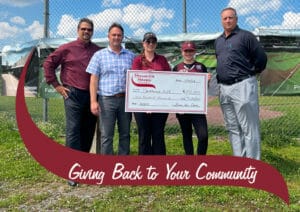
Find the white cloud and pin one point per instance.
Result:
(291, 20)
(139, 33)
(8, 31)
(67, 26)
(245, 7)
(138, 15)
(158, 26)
(18, 20)
(163, 13)
(19, 3)
(104, 19)
(253, 21)
(110, 3)
(36, 30)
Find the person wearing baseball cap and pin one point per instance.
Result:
(188, 45)
(187, 121)
(151, 126)
(149, 36)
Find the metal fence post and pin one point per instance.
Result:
(46, 34)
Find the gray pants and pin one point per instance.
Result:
(112, 112)
(239, 103)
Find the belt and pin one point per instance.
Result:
(236, 80)
(119, 95)
(72, 87)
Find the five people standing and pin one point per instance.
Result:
(101, 90)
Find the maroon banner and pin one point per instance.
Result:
(96, 169)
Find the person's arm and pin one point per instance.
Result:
(94, 81)
(175, 68)
(259, 57)
(50, 65)
(166, 65)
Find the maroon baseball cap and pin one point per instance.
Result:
(188, 45)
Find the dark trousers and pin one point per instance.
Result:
(80, 122)
(199, 122)
(151, 127)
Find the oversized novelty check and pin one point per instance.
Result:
(166, 91)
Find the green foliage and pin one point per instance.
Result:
(283, 130)
(7, 121)
(50, 129)
(27, 186)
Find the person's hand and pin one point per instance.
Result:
(63, 91)
(95, 109)
(209, 76)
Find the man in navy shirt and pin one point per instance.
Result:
(239, 58)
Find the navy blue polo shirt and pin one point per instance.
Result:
(238, 55)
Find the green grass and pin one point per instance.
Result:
(283, 61)
(27, 186)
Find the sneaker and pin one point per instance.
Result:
(72, 183)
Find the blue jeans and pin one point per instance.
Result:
(80, 122)
(112, 110)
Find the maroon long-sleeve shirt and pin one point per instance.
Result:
(159, 63)
(73, 58)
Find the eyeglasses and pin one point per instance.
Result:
(151, 41)
(189, 50)
(86, 29)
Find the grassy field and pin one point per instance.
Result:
(27, 186)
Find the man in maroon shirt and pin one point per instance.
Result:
(73, 59)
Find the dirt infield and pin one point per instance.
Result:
(215, 117)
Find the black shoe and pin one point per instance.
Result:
(72, 183)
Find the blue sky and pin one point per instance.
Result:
(22, 20)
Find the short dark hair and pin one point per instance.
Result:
(230, 8)
(116, 25)
(86, 20)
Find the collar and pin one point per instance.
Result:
(81, 42)
(110, 49)
(235, 31)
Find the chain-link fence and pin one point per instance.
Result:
(279, 113)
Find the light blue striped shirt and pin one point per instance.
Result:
(111, 69)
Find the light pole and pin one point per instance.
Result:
(184, 15)
(46, 18)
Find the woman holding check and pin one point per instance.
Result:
(151, 126)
